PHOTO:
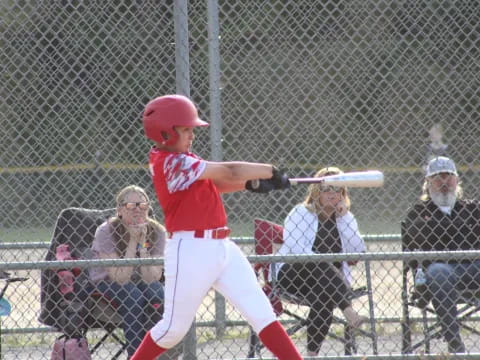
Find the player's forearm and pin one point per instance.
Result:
(243, 171)
(232, 186)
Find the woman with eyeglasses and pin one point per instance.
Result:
(136, 290)
(322, 223)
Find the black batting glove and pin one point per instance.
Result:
(279, 179)
(259, 186)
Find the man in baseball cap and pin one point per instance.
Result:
(442, 184)
(443, 221)
(441, 164)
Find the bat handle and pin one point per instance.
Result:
(297, 181)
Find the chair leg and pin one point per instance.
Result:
(100, 342)
(371, 307)
(119, 352)
(406, 324)
(110, 331)
(350, 343)
(253, 344)
(406, 337)
(122, 349)
(426, 332)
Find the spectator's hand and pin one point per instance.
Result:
(137, 231)
(341, 208)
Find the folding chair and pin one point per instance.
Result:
(76, 228)
(468, 305)
(266, 235)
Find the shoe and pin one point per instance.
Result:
(354, 320)
(456, 346)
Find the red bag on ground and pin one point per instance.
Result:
(70, 349)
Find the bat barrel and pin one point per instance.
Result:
(369, 178)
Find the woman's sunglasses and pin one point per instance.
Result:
(330, 188)
(133, 205)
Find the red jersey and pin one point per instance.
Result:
(187, 203)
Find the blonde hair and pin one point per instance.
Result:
(313, 193)
(121, 235)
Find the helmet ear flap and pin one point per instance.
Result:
(165, 135)
(169, 137)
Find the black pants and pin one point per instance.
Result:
(324, 288)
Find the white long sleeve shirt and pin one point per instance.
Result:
(300, 230)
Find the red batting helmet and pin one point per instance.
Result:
(163, 113)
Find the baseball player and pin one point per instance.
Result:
(199, 254)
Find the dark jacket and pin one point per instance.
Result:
(427, 228)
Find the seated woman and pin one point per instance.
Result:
(136, 289)
(321, 224)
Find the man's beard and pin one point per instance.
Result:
(444, 199)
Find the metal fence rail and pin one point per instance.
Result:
(384, 256)
(243, 240)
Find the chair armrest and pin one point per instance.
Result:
(358, 292)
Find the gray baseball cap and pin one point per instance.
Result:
(441, 164)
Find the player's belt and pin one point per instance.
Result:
(220, 233)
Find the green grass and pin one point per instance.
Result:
(25, 234)
(34, 234)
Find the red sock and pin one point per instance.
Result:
(276, 339)
(148, 349)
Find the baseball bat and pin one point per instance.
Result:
(367, 178)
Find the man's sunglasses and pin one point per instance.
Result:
(133, 205)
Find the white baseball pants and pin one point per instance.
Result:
(192, 267)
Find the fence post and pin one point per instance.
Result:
(182, 55)
(215, 125)
(182, 76)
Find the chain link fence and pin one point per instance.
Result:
(303, 84)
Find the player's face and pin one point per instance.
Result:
(134, 209)
(185, 139)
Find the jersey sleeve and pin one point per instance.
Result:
(182, 170)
